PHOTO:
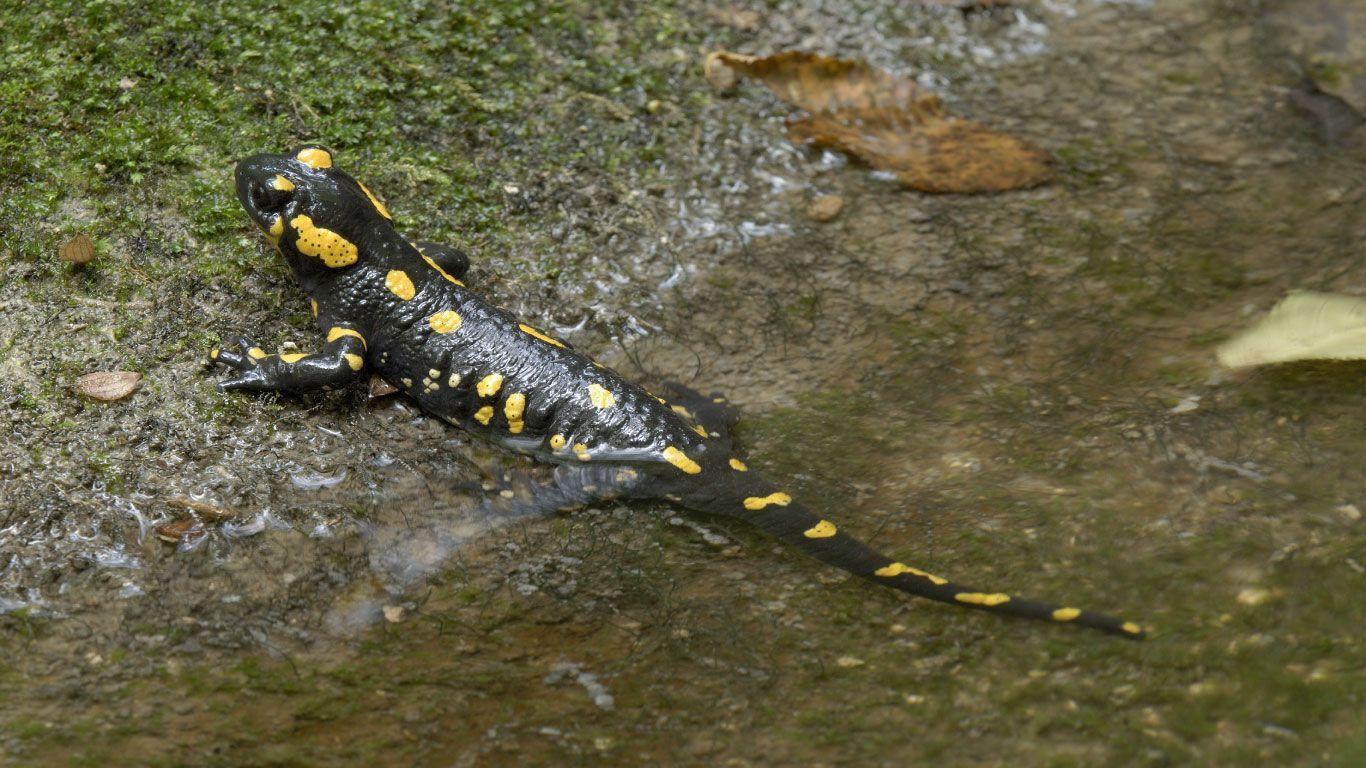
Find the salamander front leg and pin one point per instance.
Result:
(452, 261)
(340, 362)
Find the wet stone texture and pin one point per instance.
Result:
(1016, 390)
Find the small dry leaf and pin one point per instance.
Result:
(108, 386)
(78, 250)
(380, 388)
(825, 207)
(127, 84)
(736, 18)
(207, 512)
(888, 122)
(179, 530)
(1304, 326)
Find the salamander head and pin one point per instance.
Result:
(319, 217)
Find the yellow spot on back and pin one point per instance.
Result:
(334, 250)
(738, 466)
(680, 459)
(528, 330)
(256, 353)
(282, 184)
(314, 158)
(896, 569)
(375, 201)
(982, 598)
(699, 430)
(601, 397)
(822, 530)
(293, 357)
(680, 410)
(1066, 614)
(557, 442)
(489, 385)
(581, 451)
(337, 332)
(513, 409)
(355, 361)
(398, 284)
(438, 268)
(445, 321)
(483, 415)
(779, 499)
(1131, 628)
(454, 380)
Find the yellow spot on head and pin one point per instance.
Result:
(483, 415)
(489, 385)
(438, 268)
(513, 409)
(601, 398)
(822, 530)
(680, 459)
(375, 201)
(277, 228)
(1131, 628)
(256, 353)
(982, 598)
(398, 284)
(1066, 614)
(581, 451)
(556, 442)
(293, 357)
(282, 184)
(334, 250)
(738, 466)
(896, 569)
(445, 321)
(528, 330)
(778, 499)
(337, 332)
(314, 158)
(355, 361)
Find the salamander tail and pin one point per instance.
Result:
(778, 514)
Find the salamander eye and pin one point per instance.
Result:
(271, 196)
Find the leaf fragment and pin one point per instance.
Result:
(78, 250)
(1303, 326)
(108, 386)
(888, 122)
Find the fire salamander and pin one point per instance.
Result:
(400, 309)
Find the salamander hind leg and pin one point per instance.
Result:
(570, 488)
(713, 413)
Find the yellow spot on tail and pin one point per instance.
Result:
(399, 284)
(355, 361)
(1131, 628)
(556, 442)
(778, 499)
(374, 201)
(680, 459)
(738, 466)
(680, 410)
(513, 409)
(256, 353)
(699, 430)
(982, 598)
(277, 228)
(1066, 614)
(293, 357)
(438, 268)
(489, 385)
(581, 451)
(334, 250)
(314, 158)
(822, 530)
(896, 569)
(335, 333)
(213, 353)
(601, 397)
(282, 184)
(313, 306)
(483, 415)
(445, 321)
(528, 330)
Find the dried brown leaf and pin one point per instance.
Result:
(380, 388)
(78, 250)
(108, 386)
(888, 122)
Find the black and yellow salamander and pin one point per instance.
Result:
(400, 309)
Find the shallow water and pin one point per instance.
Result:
(1017, 390)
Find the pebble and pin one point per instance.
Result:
(825, 207)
